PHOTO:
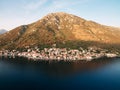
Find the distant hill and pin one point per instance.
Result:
(64, 30)
(2, 31)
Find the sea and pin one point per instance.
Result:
(24, 74)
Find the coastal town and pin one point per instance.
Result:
(60, 54)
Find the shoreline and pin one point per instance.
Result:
(24, 59)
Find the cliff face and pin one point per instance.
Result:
(59, 28)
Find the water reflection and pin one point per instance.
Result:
(55, 68)
(22, 74)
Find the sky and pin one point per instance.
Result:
(14, 13)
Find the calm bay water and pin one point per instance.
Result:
(22, 74)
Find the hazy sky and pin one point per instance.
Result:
(14, 13)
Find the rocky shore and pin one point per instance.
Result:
(60, 54)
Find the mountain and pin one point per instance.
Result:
(2, 31)
(63, 29)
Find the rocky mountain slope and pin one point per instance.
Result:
(59, 28)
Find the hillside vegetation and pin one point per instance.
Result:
(64, 30)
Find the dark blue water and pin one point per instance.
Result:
(22, 74)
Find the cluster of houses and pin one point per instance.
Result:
(59, 54)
